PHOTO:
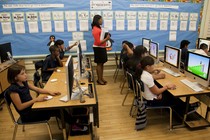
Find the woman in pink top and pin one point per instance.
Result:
(99, 48)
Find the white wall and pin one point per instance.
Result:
(205, 24)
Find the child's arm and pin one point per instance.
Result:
(60, 63)
(69, 47)
(155, 90)
(20, 106)
(43, 91)
(128, 50)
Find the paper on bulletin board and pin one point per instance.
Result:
(73, 49)
(70, 15)
(131, 25)
(173, 25)
(83, 45)
(5, 17)
(93, 13)
(142, 15)
(59, 26)
(174, 15)
(101, 4)
(142, 24)
(33, 27)
(131, 15)
(153, 15)
(120, 25)
(153, 25)
(76, 36)
(83, 25)
(82, 15)
(172, 35)
(194, 16)
(184, 16)
(46, 26)
(164, 15)
(18, 16)
(19, 27)
(107, 15)
(192, 26)
(71, 25)
(45, 16)
(119, 15)
(108, 24)
(31, 16)
(183, 25)
(6, 27)
(57, 15)
(163, 25)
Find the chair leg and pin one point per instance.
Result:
(123, 84)
(23, 129)
(170, 127)
(49, 130)
(15, 132)
(58, 123)
(132, 107)
(125, 98)
(116, 75)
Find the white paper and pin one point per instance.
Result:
(174, 15)
(74, 49)
(83, 25)
(119, 15)
(31, 16)
(142, 24)
(164, 15)
(108, 24)
(173, 25)
(153, 25)
(33, 27)
(6, 27)
(184, 16)
(57, 15)
(103, 32)
(70, 15)
(59, 26)
(172, 36)
(131, 15)
(71, 25)
(183, 25)
(93, 13)
(18, 16)
(82, 15)
(120, 25)
(77, 36)
(45, 16)
(101, 4)
(107, 15)
(19, 27)
(5, 17)
(192, 25)
(153, 15)
(131, 25)
(163, 25)
(46, 26)
(83, 45)
(193, 16)
(142, 15)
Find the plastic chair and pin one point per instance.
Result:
(19, 121)
(122, 84)
(117, 67)
(139, 95)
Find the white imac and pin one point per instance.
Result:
(154, 50)
(197, 68)
(172, 58)
(146, 42)
(205, 41)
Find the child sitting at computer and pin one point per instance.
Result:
(203, 49)
(154, 95)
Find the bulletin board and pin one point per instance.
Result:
(27, 24)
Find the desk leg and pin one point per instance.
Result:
(63, 125)
(186, 110)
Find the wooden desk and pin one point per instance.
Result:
(55, 103)
(184, 91)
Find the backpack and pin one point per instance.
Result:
(141, 118)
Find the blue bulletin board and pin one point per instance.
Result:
(26, 23)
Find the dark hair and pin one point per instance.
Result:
(52, 36)
(184, 43)
(145, 61)
(203, 46)
(13, 71)
(59, 42)
(53, 48)
(139, 50)
(96, 18)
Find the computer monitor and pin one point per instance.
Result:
(79, 56)
(69, 76)
(154, 50)
(5, 52)
(197, 68)
(146, 42)
(205, 41)
(172, 58)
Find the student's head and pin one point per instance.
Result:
(59, 42)
(130, 45)
(16, 73)
(54, 50)
(147, 64)
(97, 21)
(184, 44)
(140, 51)
(52, 38)
(204, 47)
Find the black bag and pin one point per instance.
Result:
(141, 118)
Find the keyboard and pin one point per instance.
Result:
(171, 72)
(192, 85)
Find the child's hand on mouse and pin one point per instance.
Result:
(41, 98)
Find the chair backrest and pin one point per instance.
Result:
(131, 81)
(123, 68)
(38, 79)
(38, 64)
(116, 59)
(139, 89)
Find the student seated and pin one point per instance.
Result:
(60, 44)
(203, 49)
(51, 63)
(52, 41)
(156, 96)
(184, 48)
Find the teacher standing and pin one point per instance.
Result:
(99, 48)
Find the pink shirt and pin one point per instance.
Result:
(96, 32)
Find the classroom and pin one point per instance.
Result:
(104, 69)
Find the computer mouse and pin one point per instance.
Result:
(48, 97)
(53, 80)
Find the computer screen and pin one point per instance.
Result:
(69, 76)
(4, 48)
(154, 50)
(197, 68)
(79, 56)
(146, 42)
(172, 58)
(205, 41)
